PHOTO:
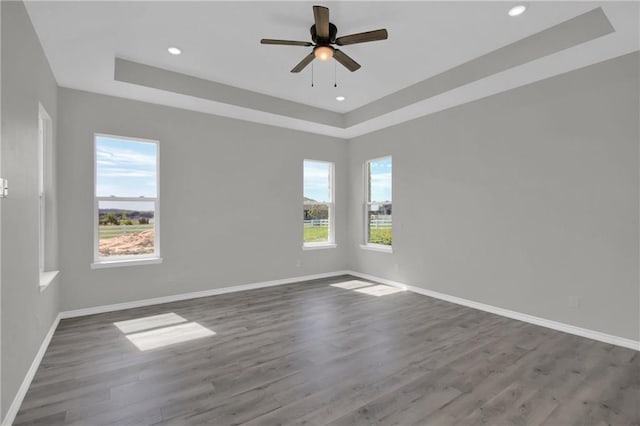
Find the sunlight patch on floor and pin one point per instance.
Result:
(367, 288)
(147, 323)
(378, 290)
(162, 330)
(166, 336)
(351, 285)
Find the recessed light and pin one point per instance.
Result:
(339, 98)
(517, 10)
(174, 50)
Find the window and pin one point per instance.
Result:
(44, 123)
(46, 190)
(127, 220)
(317, 206)
(378, 223)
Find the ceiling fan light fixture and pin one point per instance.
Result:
(323, 53)
(323, 35)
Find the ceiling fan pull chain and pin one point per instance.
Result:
(335, 74)
(312, 74)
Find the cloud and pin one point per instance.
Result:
(381, 185)
(119, 172)
(119, 155)
(101, 153)
(125, 168)
(316, 180)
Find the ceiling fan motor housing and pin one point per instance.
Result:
(333, 32)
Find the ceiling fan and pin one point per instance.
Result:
(323, 35)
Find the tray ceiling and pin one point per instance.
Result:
(438, 55)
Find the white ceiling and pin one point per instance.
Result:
(220, 42)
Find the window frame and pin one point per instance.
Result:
(367, 245)
(44, 123)
(45, 189)
(331, 239)
(125, 260)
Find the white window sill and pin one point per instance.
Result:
(125, 262)
(319, 246)
(377, 247)
(47, 278)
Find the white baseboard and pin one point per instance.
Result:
(195, 295)
(28, 378)
(555, 325)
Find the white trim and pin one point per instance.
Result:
(45, 136)
(28, 378)
(195, 295)
(127, 138)
(126, 262)
(377, 247)
(47, 278)
(318, 246)
(554, 325)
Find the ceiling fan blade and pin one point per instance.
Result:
(321, 15)
(285, 42)
(303, 63)
(362, 37)
(345, 60)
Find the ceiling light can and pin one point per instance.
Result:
(340, 98)
(517, 10)
(174, 50)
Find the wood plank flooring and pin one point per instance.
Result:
(314, 354)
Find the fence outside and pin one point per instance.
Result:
(376, 221)
(108, 231)
(316, 223)
(380, 221)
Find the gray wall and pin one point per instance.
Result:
(27, 313)
(230, 201)
(522, 200)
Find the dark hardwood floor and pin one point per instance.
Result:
(312, 353)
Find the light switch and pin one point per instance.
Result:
(4, 188)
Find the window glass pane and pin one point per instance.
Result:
(125, 168)
(316, 223)
(380, 180)
(126, 228)
(317, 181)
(42, 199)
(41, 153)
(379, 219)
